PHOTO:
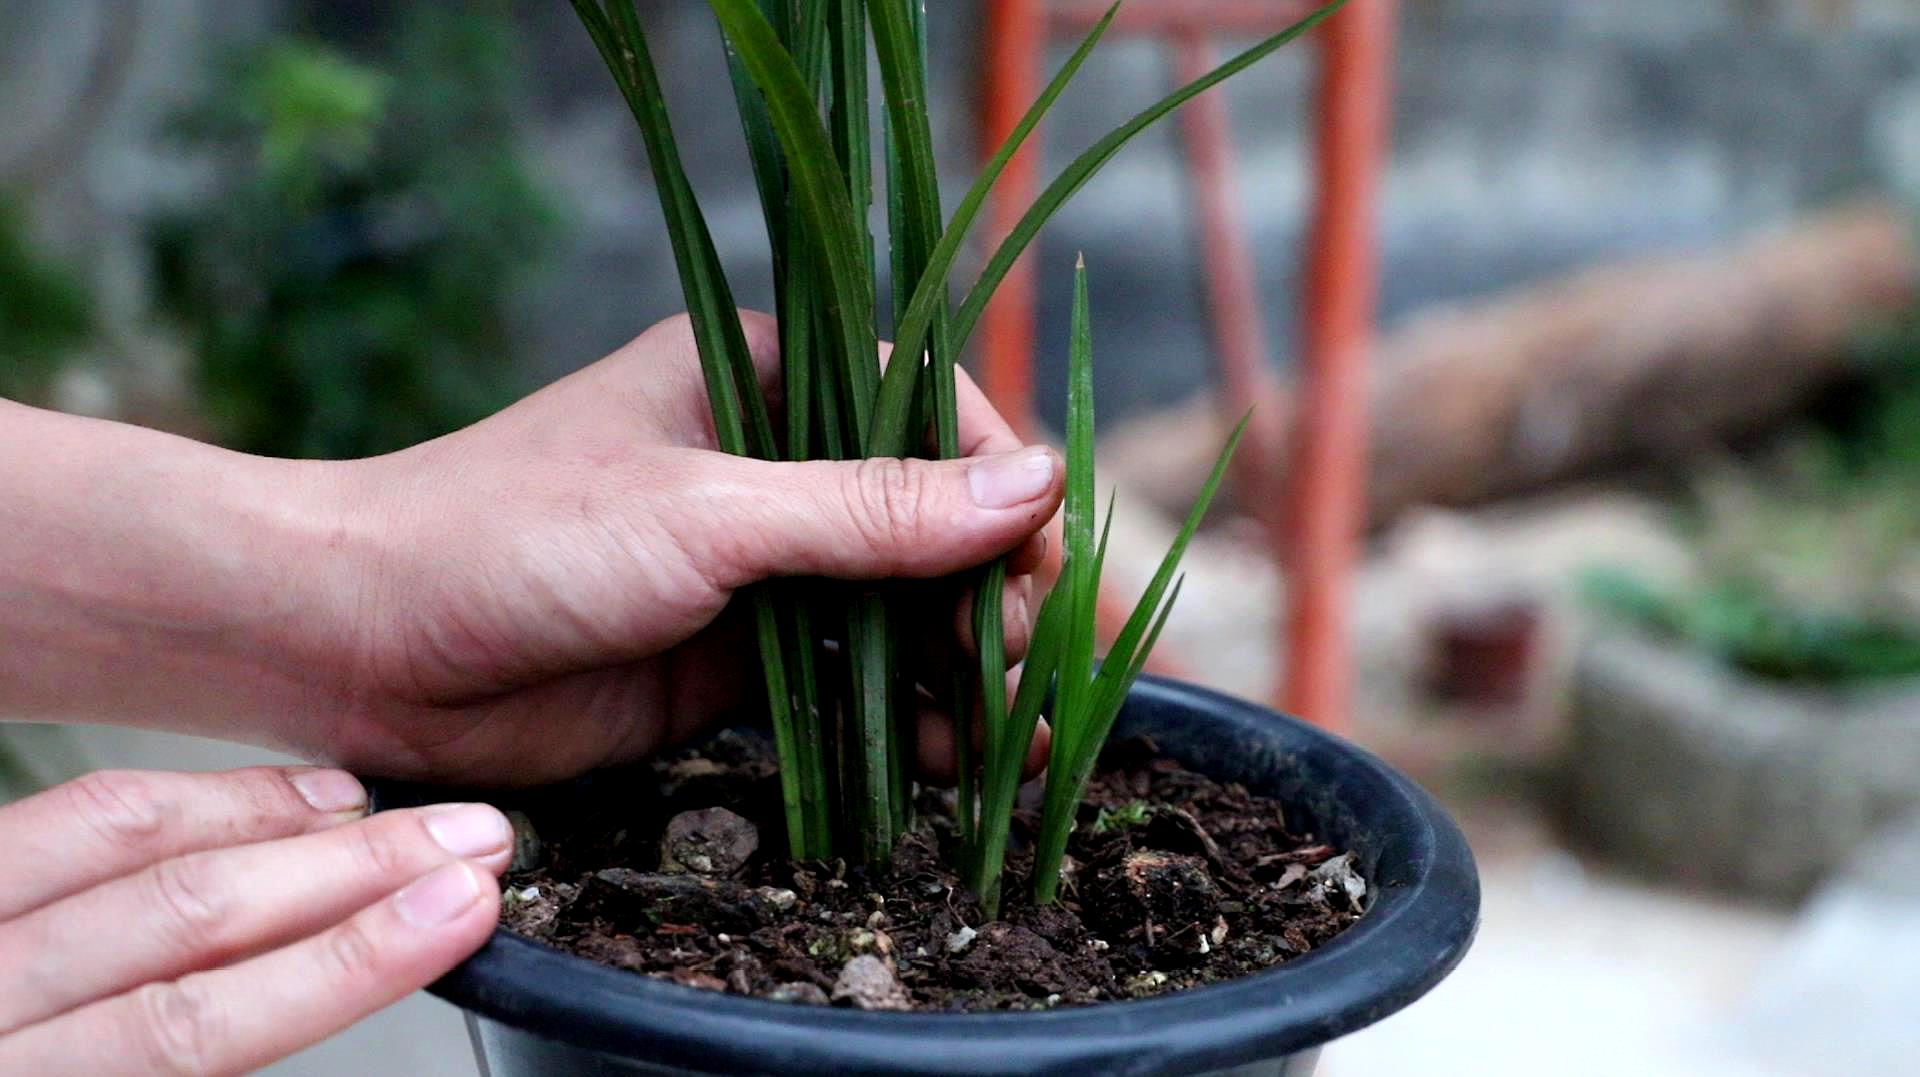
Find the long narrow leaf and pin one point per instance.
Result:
(810, 42)
(989, 636)
(796, 312)
(930, 297)
(732, 383)
(898, 45)
(1084, 167)
(869, 649)
(1107, 682)
(821, 190)
(763, 151)
(851, 138)
(1007, 743)
(740, 419)
(1076, 665)
(1066, 787)
(808, 710)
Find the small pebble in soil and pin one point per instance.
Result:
(528, 852)
(870, 983)
(711, 841)
(800, 991)
(1151, 886)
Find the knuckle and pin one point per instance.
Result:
(268, 791)
(758, 325)
(380, 850)
(192, 900)
(120, 806)
(677, 328)
(889, 498)
(350, 954)
(180, 1026)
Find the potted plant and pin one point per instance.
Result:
(1220, 841)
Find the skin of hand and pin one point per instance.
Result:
(542, 593)
(539, 594)
(212, 923)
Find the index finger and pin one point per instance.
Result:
(114, 822)
(240, 1017)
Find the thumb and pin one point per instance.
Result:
(872, 519)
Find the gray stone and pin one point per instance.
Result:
(529, 851)
(800, 992)
(1697, 773)
(870, 983)
(710, 841)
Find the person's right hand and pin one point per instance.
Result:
(212, 923)
(542, 593)
(518, 602)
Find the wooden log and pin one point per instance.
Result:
(1643, 362)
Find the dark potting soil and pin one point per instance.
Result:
(1175, 881)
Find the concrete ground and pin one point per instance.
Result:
(1577, 972)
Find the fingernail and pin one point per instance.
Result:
(1001, 482)
(470, 829)
(330, 791)
(439, 896)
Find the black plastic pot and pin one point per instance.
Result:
(534, 1010)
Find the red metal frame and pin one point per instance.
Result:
(1247, 384)
(1316, 528)
(1015, 51)
(1163, 18)
(1327, 499)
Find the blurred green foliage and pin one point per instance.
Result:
(350, 282)
(1811, 558)
(46, 311)
(1747, 624)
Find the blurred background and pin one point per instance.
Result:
(1638, 586)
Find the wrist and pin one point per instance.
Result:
(152, 580)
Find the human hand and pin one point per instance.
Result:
(212, 923)
(542, 593)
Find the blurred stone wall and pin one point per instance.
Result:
(1530, 136)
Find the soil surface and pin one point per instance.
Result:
(1174, 881)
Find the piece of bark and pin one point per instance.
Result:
(1645, 361)
(622, 895)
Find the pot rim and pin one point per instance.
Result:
(1415, 930)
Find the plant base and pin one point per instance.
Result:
(539, 1010)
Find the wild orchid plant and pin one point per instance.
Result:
(842, 716)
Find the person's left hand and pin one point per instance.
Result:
(212, 923)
